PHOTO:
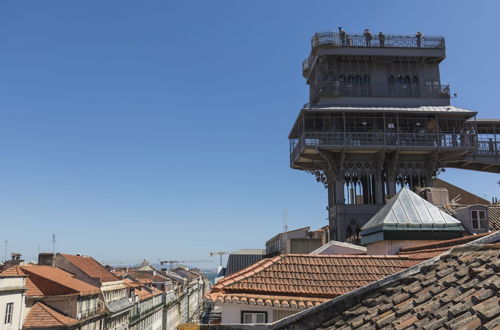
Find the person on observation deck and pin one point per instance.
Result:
(342, 36)
(381, 39)
(419, 37)
(368, 37)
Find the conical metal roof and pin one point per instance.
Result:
(408, 211)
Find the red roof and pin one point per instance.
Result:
(12, 271)
(303, 279)
(91, 267)
(145, 294)
(42, 316)
(43, 275)
(422, 252)
(51, 281)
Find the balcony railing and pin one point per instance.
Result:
(334, 39)
(488, 148)
(379, 90)
(382, 139)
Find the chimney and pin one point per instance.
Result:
(46, 259)
(436, 196)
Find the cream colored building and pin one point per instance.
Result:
(12, 289)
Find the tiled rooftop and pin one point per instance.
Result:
(145, 294)
(442, 244)
(185, 273)
(12, 271)
(494, 217)
(131, 284)
(147, 276)
(422, 252)
(303, 280)
(460, 291)
(51, 281)
(42, 316)
(91, 267)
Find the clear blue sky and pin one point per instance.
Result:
(158, 129)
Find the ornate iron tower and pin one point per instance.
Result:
(378, 119)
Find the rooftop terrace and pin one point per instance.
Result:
(335, 39)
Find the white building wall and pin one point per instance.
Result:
(11, 292)
(231, 313)
(173, 318)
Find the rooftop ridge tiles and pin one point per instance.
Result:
(349, 256)
(443, 243)
(14, 271)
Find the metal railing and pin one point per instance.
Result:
(384, 139)
(488, 148)
(332, 38)
(380, 90)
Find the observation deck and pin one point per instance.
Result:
(459, 143)
(429, 48)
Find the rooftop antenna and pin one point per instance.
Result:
(285, 220)
(53, 250)
(285, 229)
(5, 255)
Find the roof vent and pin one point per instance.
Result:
(78, 254)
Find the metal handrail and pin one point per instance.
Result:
(352, 89)
(390, 41)
(394, 139)
(488, 148)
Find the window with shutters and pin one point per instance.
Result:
(9, 310)
(478, 219)
(253, 317)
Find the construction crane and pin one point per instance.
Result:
(220, 253)
(172, 262)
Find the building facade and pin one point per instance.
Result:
(12, 288)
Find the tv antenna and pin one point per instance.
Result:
(53, 244)
(6, 242)
(285, 229)
(285, 220)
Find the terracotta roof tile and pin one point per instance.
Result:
(146, 293)
(91, 267)
(494, 217)
(47, 280)
(419, 253)
(42, 316)
(441, 244)
(147, 276)
(456, 291)
(131, 284)
(306, 278)
(12, 271)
